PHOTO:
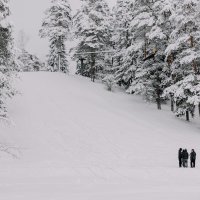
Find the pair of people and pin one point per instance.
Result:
(183, 157)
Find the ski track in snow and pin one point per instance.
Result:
(77, 141)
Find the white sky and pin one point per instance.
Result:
(27, 15)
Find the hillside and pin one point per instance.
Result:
(75, 140)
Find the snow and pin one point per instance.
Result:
(156, 32)
(75, 140)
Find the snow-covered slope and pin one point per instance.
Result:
(75, 140)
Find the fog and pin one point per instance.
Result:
(27, 15)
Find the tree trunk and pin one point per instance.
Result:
(158, 101)
(191, 41)
(194, 66)
(172, 104)
(187, 116)
(145, 48)
(59, 46)
(119, 60)
(127, 39)
(192, 44)
(159, 104)
(82, 66)
(93, 67)
(199, 108)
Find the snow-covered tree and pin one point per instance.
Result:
(123, 63)
(5, 33)
(22, 40)
(26, 61)
(56, 27)
(109, 82)
(92, 29)
(183, 52)
(150, 32)
(29, 61)
(7, 63)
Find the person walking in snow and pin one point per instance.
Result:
(180, 157)
(185, 157)
(192, 158)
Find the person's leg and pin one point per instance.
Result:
(191, 164)
(183, 162)
(194, 162)
(180, 163)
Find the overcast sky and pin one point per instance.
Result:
(27, 15)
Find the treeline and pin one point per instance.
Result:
(8, 61)
(149, 47)
(12, 59)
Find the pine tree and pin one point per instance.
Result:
(184, 54)
(93, 33)
(150, 35)
(123, 65)
(6, 57)
(22, 40)
(56, 27)
(29, 61)
(5, 33)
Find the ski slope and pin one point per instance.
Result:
(71, 139)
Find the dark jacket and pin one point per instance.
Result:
(185, 154)
(193, 155)
(180, 154)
